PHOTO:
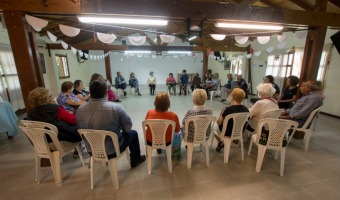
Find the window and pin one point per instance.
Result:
(63, 70)
(236, 66)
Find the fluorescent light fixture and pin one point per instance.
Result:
(180, 52)
(192, 37)
(127, 52)
(114, 20)
(248, 26)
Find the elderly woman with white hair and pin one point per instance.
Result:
(199, 96)
(265, 104)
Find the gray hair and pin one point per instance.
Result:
(266, 90)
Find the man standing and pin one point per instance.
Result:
(227, 88)
(101, 114)
(303, 106)
(184, 82)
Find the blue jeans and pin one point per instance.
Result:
(130, 140)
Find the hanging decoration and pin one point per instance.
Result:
(64, 45)
(248, 56)
(257, 53)
(81, 53)
(270, 50)
(241, 39)
(91, 57)
(52, 37)
(137, 40)
(281, 45)
(281, 38)
(251, 50)
(106, 38)
(208, 51)
(74, 50)
(69, 31)
(167, 38)
(36, 23)
(263, 39)
(277, 57)
(218, 37)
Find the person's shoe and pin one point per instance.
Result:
(220, 146)
(135, 163)
(180, 94)
(117, 100)
(159, 151)
(44, 162)
(139, 94)
(75, 154)
(223, 100)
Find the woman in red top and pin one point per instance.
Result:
(162, 104)
(171, 83)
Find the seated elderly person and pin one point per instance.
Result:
(184, 82)
(304, 106)
(265, 104)
(80, 91)
(44, 109)
(133, 82)
(213, 85)
(199, 97)
(120, 83)
(227, 88)
(237, 95)
(67, 99)
(162, 105)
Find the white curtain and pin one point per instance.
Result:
(275, 68)
(3, 93)
(11, 77)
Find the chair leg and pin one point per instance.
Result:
(307, 139)
(168, 157)
(260, 155)
(250, 146)
(276, 156)
(211, 94)
(114, 172)
(149, 157)
(212, 139)
(80, 154)
(55, 165)
(242, 150)
(282, 163)
(91, 171)
(127, 153)
(207, 154)
(37, 168)
(190, 149)
(227, 144)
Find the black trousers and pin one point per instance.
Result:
(152, 89)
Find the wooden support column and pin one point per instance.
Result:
(108, 66)
(205, 64)
(22, 52)
(36, 58)
(312, 53)
(249, 71)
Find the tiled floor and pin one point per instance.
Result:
(308, 175)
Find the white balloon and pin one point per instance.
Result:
(270, 49)
(248, 56)
(106, 38)
(167, 38)
(281, 38)
(137, 40)
(257, 53)
(64, 45)
(52, 37)
(218, 37)
(36, 22)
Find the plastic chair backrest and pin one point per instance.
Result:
(55, 100)
(201, 124)
(239, 121)
(277, 131)
(38, 137)
(271, 114)
(158, 128)
(310, 118)
(96, 140)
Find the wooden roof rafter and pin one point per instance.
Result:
(335, 2)
(302, 4)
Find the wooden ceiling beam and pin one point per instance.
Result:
(148, 39)
(39, 6)
(302, 4)
(151, 48)
(321, 5)
(270, 4)
(335, 2)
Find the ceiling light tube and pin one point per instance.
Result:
(113, 20)
(180, 52)
(248, 26)
(132, 51)
(192, 38)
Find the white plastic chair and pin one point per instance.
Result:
(278, 128)
(201, 124)
(36, 132)
(239, 121)
(96, 140)
(134, 93)
(246, 100)
(158, 128)
(275, 114)
(307, 129)
(55, 100)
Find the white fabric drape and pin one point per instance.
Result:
(11, 77)
(3, 93)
